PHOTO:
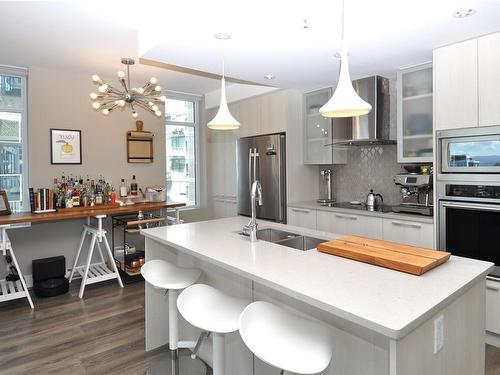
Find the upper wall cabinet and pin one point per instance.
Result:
(249, 116)
(415, 114)
(489, 79)
(320, 132)
(456, 86)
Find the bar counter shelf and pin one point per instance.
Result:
(127, 246)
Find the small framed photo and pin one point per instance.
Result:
(65, 146)
(4, 203)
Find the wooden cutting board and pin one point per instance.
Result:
(404, 258)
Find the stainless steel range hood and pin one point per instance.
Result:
(374, 127)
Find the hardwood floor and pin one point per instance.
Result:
(101, 334)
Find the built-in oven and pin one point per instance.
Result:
(468, 193)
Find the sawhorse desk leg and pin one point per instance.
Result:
(97, 272)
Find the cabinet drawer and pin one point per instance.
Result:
(493, 306)
(301, 217)
(348, 224)
(409, 232)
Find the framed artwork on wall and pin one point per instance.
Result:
(65, 146)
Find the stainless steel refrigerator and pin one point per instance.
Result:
(263, 158)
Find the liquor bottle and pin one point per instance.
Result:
(133, 186)
(123, 189)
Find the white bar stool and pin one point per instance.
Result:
(166, 276)
(211, 310)
(285, 340)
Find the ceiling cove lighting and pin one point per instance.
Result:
(108, 98)
(345, 101)
(223, 120)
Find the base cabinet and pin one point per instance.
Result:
(301, 217)
(409, 232)
(493, 306)
(358, 225)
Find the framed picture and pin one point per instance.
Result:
(65, 146)
(4, 203)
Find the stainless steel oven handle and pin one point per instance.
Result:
(472, 206)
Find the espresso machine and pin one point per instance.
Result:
(416, 193)
(325, 187)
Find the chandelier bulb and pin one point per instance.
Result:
(93, 96)
(103, 88)
(163, 98)
(105, 112)
(158, 113)
(96, 79)
(121, 103)
(154, 108)
(134, 89)
(140, 90)
(121, 74)
(135, 114)
(153, 80)
(96, 105)
(150, 104)
(157, 88)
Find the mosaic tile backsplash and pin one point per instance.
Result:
(368, 167)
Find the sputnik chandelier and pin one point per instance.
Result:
(108, 98)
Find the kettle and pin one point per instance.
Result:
(371, 199)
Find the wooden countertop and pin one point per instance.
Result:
(82, 212)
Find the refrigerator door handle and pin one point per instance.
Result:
(250, 158)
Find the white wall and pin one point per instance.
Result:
(235, 92)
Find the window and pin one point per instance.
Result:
(13, 135)
(181, 120)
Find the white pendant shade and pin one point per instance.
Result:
(223, 120)
(345, 101)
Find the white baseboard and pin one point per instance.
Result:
(493, 339)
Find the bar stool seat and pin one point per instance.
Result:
(211, 310)
(285, 340)
(164, 275)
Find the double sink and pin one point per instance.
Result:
(294, 240)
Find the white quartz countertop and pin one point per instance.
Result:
(389, 302)
(313, 205)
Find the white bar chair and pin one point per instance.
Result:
(97, 272)
(211, 310)
(285, 340)
(10, 290)
(170, 278)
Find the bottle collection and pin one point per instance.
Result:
(71, 191)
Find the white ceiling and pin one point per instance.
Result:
(268, 37)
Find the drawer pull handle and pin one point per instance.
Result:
(302, 211)
(349, 217)
(403, 224)
(492, 287)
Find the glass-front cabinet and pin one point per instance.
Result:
(319, 132)
(414, 107)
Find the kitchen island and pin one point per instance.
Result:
(383, 321)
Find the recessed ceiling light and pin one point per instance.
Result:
(269, 76)
(464, 12)
(222, 36)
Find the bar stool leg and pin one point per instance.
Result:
(82, 240)
(21, 277)
(173, 320)
(99, 250)
(89, 259)
(112, 261)
(218, 353)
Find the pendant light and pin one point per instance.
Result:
(345, 101)
(223, 120)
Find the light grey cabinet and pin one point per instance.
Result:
(488, 50)
(320, 132)
(301, 217)
(414, 111)
(409, 232)
(456, 86)
(493, 306)
(343, 223)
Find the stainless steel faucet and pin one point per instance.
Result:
(256, 198)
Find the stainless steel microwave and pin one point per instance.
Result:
(469, 151)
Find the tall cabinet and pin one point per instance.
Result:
(320, 132)
(414, 111)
